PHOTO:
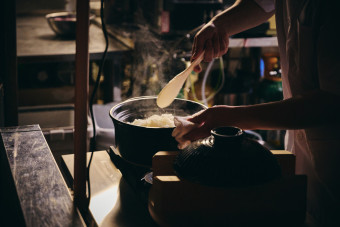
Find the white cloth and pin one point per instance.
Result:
(310, 59)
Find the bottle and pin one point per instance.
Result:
(270, 90)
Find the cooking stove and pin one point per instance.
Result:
(133, 174)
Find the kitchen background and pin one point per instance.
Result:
(150, 42)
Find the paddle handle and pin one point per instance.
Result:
(197, 60)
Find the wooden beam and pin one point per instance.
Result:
(8, 63)
(81, 104)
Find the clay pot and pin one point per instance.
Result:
(137, 144)
(227, 158)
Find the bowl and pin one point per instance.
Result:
(138, 144)
(64, 23)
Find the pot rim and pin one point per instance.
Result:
(142, 98)
(214, 131)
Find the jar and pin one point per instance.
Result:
(270, 90)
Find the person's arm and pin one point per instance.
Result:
(213, 38)
(243, 15)
(305, 111)
(308, 110)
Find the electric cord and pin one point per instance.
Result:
(218, 87)
(204, 82)
(93, 139)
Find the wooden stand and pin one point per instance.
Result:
(177, 202)
(81, 106)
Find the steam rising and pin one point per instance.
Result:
(149, 58)
(144, 107)
(155, 59)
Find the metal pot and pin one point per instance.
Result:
(138, 144)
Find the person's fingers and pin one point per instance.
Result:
(209, 51)
(198, 133)
(198, 47)
(202, 129)
(198, 68)
(216, 46)
(179, 126)
(225, 45)
(190, 128)
(222, 46)
(178, 134)
(183, 126)
(183, 144)
(198, 117)
(194, 48)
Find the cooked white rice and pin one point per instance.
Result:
(159, 121)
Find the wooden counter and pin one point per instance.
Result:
(33, 191)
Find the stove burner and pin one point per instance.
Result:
(134, 174)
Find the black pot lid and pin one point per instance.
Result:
(250, 163)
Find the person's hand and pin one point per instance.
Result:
(199, 125)
(183, 127)
(213, 39)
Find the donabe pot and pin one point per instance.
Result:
(227, 159)
(138, 144)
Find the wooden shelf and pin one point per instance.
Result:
(253, 42)
(36, 42)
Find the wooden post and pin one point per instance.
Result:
(8, 64)
(81, 104)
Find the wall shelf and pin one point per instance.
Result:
(253, 42)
